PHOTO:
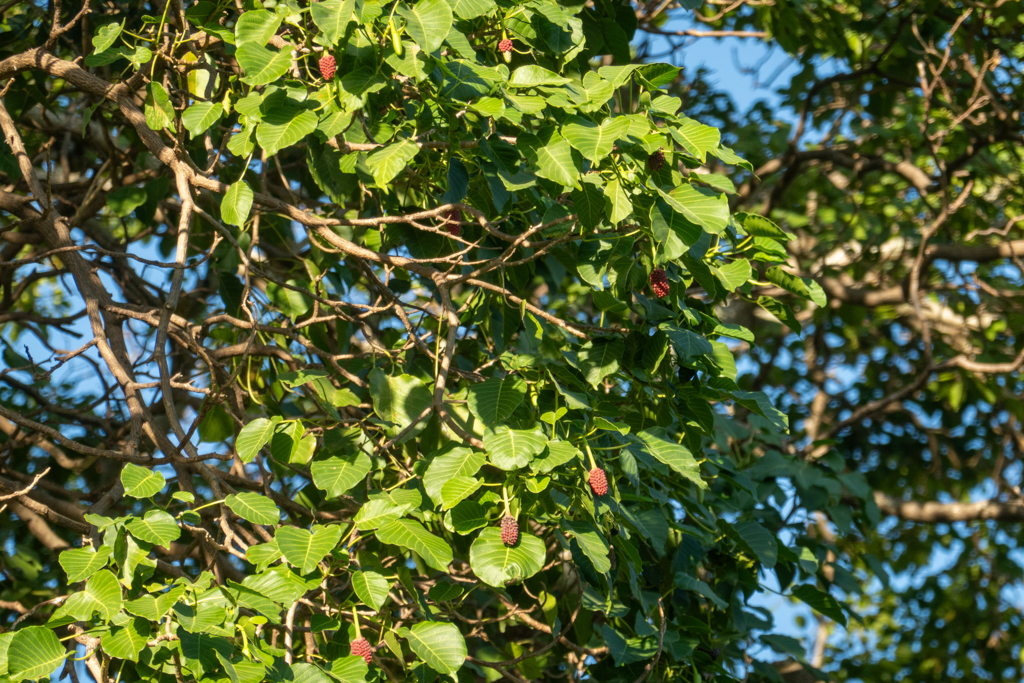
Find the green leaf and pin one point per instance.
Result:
(381, 508)
(234, 208)
(589, 202)
(531, 75)
(154, 607)
(202, 649)
(334, 476)
(409, 534)
(438, 644)
(141, 482)
(332, 18)
(781, 311)
(428, 22)
(291, 444)
(256, 26)
(156, 527)
(102, 595)
(727, 156)
(263, 66)
(467, 517)
(805, 287)
(253, 437)
(759, 541)
(676, 456)
(620, 206)
(724, 360)
(696, 138)
(735, 331)
(511, 449)
(659, 73)
(159, 110)
(458, 489)
(471, 9)
(759, 402)
(263, 554)
(821, 602)
(81, 563)
(105, 36)
(689, 583)
(284, 126)
(557, 453)
(700, 206)
(371, 587)
(759, 226)
(387, 162)
(34, 652)
(494, 400)
(600, 358)
(687, 343)
(594, 141)
(201, 116)
(304, 549)
(126, 642)
(399, 400)
(550, 156)
(126, 199)
(459, 462)
(734, 274)
(497, 565)
(252, 507)
(591, 542)
(350, 669)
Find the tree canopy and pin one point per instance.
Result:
(349, 340)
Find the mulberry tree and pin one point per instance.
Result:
(349, 340)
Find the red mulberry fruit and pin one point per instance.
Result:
(598, 482)
(505, 46)
(659, 283)
(453, 222)
(328, 66)
(362, 648)
(656, 161)
(509, 531)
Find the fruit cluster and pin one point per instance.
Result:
(362, 648)
(328, 66)
(453, 222)
(509, 531)
(659, 283)
(656, 161)
(598, 482)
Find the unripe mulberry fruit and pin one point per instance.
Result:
(598, 482)
(453, 222)
(328, 66)
(656, 161)
(659, 283)
(362, 648)
(509, 531)
(505, 45)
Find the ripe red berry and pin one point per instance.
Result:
(659, 283)
(505, 46)
(656, 161)
(362, 648)
(509, 531)
(598, 482)
(453, 222)
(328, 66)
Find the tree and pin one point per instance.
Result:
(895, 156)
(403, 346)
(344, 320)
